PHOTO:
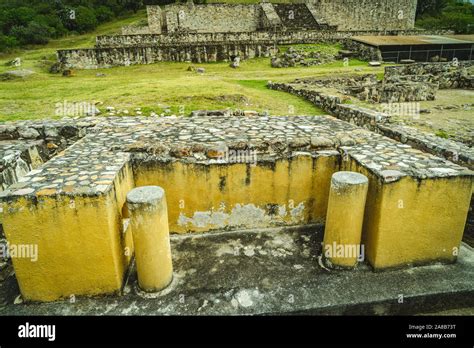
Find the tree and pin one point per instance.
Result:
(20, 16)
(33, 33)
(104, 14)
(25, 22)
(81, 19)
(431, 8)
(455, 15)
(7, 42)
(133, 5)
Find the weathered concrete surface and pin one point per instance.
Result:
(271, 272)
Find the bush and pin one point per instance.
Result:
(104, 14)
(7, 42)
(34, 33)
(55, 24)
(25, 22)
(83, 19)
(20, 16)
(453, 15)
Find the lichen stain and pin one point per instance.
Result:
(244, 215)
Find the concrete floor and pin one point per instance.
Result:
(273, 271)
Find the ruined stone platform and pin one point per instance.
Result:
(272, 271)
(90, 165)
(415, 213)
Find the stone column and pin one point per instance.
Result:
(149, 224)
(345, 215)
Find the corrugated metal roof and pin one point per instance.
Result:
(415, 40)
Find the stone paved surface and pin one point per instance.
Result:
(379, 122)
(452, 150)
(90, 165)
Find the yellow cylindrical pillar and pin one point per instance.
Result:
(150, 230)
(345, 215)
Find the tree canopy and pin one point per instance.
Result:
(456, 15)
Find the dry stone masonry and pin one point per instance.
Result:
(401, 84)
(456, 74)
(208, 33)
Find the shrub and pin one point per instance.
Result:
(104, 14)
(34, 33)
(82, 20)
(7, 42)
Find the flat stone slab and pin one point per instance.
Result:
(272, 271)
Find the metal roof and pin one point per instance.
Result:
(415, 40)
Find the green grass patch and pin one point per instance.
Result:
(324, 48)
(152, 86)
(257, 84)
(442, 134)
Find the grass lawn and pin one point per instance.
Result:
(153, 86)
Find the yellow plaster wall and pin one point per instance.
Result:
(300, 186)
(80, 247)
(413, 222)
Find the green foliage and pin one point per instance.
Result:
(104, 14)
(25, 22)
(430, 7)
(33, 33)
(82, 20)
(453, 15)
(442, 134)
(7, 42)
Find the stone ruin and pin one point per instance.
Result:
(64, 183)
(254, 172)
(209, 33)
(401, 84)
(344, 15)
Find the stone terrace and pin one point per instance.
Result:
(91, 164)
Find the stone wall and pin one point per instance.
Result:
(135, 30)
(346, 15)
(212, 18)
(401, 92)
(451, 150)
(334, 105)
(368, 14)
(57, 135)
(280, 37)
(18, 158)
(269, 17)
(447, 75)
(197, 47)
(95, 58)
(155, 19)
(379, 122)
(295, 16)
(316, 15)
(362, 51)
(368, 88)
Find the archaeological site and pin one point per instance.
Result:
(309, 157)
